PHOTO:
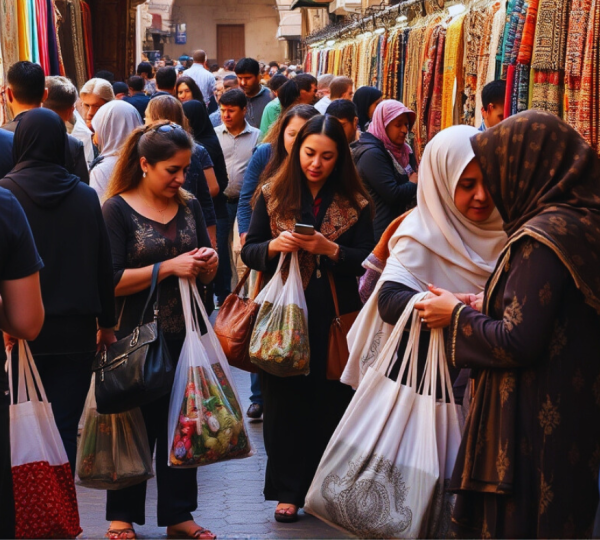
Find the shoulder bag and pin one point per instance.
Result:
(235, 323)
(137, 369)
(338, 353)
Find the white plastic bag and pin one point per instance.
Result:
(378, 474)
(279, 343)
(206, 423)
(45, 499)
(113, 450)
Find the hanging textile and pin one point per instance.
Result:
(474, 29)
(53, 47)
(64, 38)
(495, 41)
(484, 59)
(9, 32)
(33, 31)
(24, 29)
(578, 27)
(452, 70)
(41, 10)
(77, 41)
(87, 30)
(588, 114)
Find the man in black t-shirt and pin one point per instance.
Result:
(21, 315)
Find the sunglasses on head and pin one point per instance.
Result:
(165, 128)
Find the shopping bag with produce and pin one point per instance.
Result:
(206, 422)
(113, 451)
(279, 343)
(45, 499)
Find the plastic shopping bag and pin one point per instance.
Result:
(279, 343)
(206, 422)
(45, 499)
(378, 474)
(113, 451)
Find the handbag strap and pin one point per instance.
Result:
(153, 285)
(242, 282)
(334, 294)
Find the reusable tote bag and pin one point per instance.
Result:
(378, 474)
(279, 343)
(113, 451)
(206, 422)
(45, 499)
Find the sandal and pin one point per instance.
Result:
(286, 515)
(117, 534)
(199, 534)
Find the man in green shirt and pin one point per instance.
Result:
(273, 109)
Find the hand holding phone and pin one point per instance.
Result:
(301, 228)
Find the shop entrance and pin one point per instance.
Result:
(231, 42)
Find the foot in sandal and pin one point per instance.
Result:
(286, 513)
(190, 529)
(120, 530)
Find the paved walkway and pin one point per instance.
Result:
(230, 498)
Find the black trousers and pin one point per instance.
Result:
(7, 502)
(66, 379)
(177, 488)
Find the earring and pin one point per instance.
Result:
(144, 175)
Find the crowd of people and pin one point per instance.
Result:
(207, 171)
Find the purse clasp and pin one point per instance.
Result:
(135, 336)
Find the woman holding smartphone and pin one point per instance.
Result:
(317, 186)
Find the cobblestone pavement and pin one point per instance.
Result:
(230, 498)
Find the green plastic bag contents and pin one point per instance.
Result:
(113, 451)
(279, 342)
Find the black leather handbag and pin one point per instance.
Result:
(137, 369)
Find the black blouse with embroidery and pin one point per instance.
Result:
(136, 242)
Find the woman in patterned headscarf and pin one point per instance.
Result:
(528, 463)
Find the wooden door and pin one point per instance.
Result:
(231, 42)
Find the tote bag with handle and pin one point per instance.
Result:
(378, 474)
(45, 499)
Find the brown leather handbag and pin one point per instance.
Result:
(338, 353)
(235, 323)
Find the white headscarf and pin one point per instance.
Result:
(436, 244)
(112, 124)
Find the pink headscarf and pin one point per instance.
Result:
(386, 111)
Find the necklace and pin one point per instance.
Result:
(161, 212)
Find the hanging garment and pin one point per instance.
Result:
(484, 59)
(495, 41)
(453, 58)
(588, 114)
(87, 30)
(77, 41)
(53, 49)
(32, 34)
(23, 30)
(578, 28)
(42, 35)
(64, 40)
(474, 30)
(434, 115)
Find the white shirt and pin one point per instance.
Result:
(237, 150)
(84, 134)
(204, 79)
(322, 104)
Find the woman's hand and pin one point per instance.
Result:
(105, 337)
(414, 178)
(284, 243)
(316, 244)
(186, 265)
(209, 260)
(436, 311)
(477, 301)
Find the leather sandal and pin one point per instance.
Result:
(199, 534)
(117, 534)
(286, 515)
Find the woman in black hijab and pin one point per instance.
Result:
(77, 278)
(366, 99)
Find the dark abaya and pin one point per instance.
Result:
(302, 412)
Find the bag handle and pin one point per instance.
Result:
(153, 286)
(29, 377)
(334, 294)
(242, 282)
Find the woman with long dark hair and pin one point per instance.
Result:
(318, 185)
(186, 90)
(366, 99)
(151, 219)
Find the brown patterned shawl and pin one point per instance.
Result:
(545, 181)
(339, 217)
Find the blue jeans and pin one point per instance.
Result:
(256, 396)
(222, 281)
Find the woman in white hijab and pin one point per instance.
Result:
(112, 125)
(452, 240)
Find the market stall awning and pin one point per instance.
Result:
(310, 4)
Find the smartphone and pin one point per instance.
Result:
(301, 228)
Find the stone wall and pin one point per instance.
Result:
(260, 17)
